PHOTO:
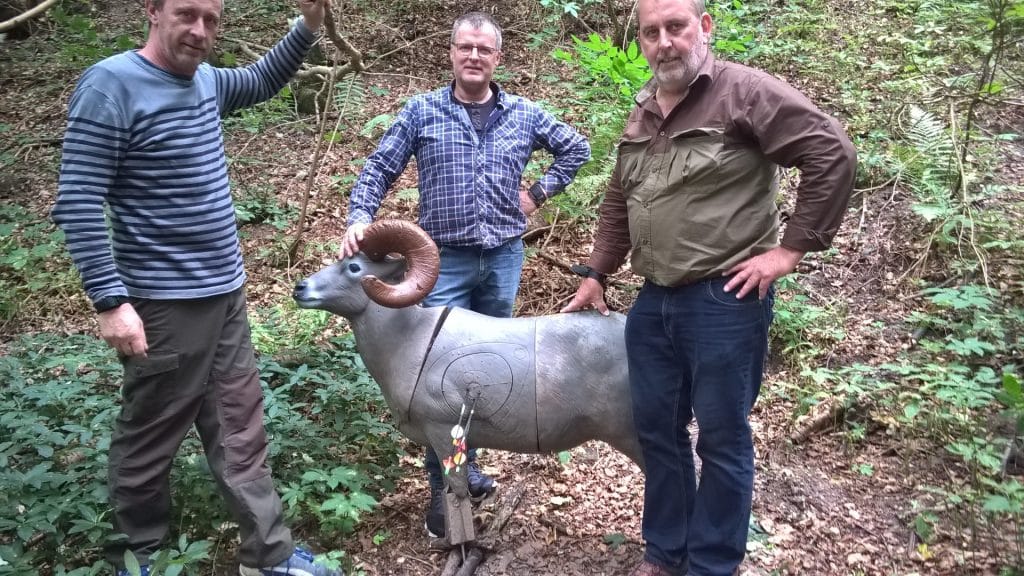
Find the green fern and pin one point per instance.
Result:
(350, 94)
(930, 168)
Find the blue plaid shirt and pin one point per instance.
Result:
(468, 185)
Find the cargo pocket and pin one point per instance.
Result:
(148, 382)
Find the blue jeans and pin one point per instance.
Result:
(696, 351)
(484, 281)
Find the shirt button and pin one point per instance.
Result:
(661, 133)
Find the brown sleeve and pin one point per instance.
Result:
(793, 132)
(611, 242)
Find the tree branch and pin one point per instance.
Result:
(26, 16)
(355, 58)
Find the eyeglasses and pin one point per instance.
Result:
(467, 49)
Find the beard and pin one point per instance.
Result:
(676, 73)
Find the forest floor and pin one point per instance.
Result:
(825, 505)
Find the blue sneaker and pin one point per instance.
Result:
(480, 485)
(299, 564)
(143, 572)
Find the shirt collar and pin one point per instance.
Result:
(500, 102)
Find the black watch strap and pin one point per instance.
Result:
(538, 194)
(588, 272)
(108, 303)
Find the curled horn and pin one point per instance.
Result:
(423, 262)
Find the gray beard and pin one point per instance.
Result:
(678, 79)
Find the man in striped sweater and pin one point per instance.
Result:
(166, 277)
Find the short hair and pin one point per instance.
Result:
(698, 6)
(477, 20)
(158, 4)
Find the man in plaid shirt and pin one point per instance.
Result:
(471, 141)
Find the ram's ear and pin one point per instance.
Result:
(386, 238)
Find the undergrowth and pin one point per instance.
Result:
(331, 449)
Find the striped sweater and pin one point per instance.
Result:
(148, 144)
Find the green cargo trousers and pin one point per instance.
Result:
(201, 370)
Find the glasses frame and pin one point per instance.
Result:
(466, 49)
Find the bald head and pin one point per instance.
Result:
(698, 5)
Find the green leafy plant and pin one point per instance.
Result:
(736, 30)
(603, 64)
(335, 497)
(256, 119)
(802, 330)
(81, 43)
(376, 126)
(607, 78)
(567, 7)
(187, 558)
(1012, 397)
(260, 205)
(33, 263)
(57, 408)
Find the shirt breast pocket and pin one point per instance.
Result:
(696, 160)
(509, 139)
(634, 164)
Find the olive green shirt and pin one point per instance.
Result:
(694, 194)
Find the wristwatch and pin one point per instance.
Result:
(537, 194)
(588, 272)
(108, 303)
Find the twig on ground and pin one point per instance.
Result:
(40, 143)
(502, 515)
(829, 415)
(554, 259)
(554, 224)
(534, 232)
(555, 525)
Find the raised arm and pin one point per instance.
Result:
(242, 87)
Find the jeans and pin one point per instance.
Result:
(481, 280)
(696, 351)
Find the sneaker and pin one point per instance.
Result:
(435, 514)
(143, 572)
(480, 485)
(299, 564)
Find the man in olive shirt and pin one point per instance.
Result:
(693, 197)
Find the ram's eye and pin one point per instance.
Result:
(354, 268)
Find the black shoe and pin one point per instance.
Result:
(435, 514)
(480, 485)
